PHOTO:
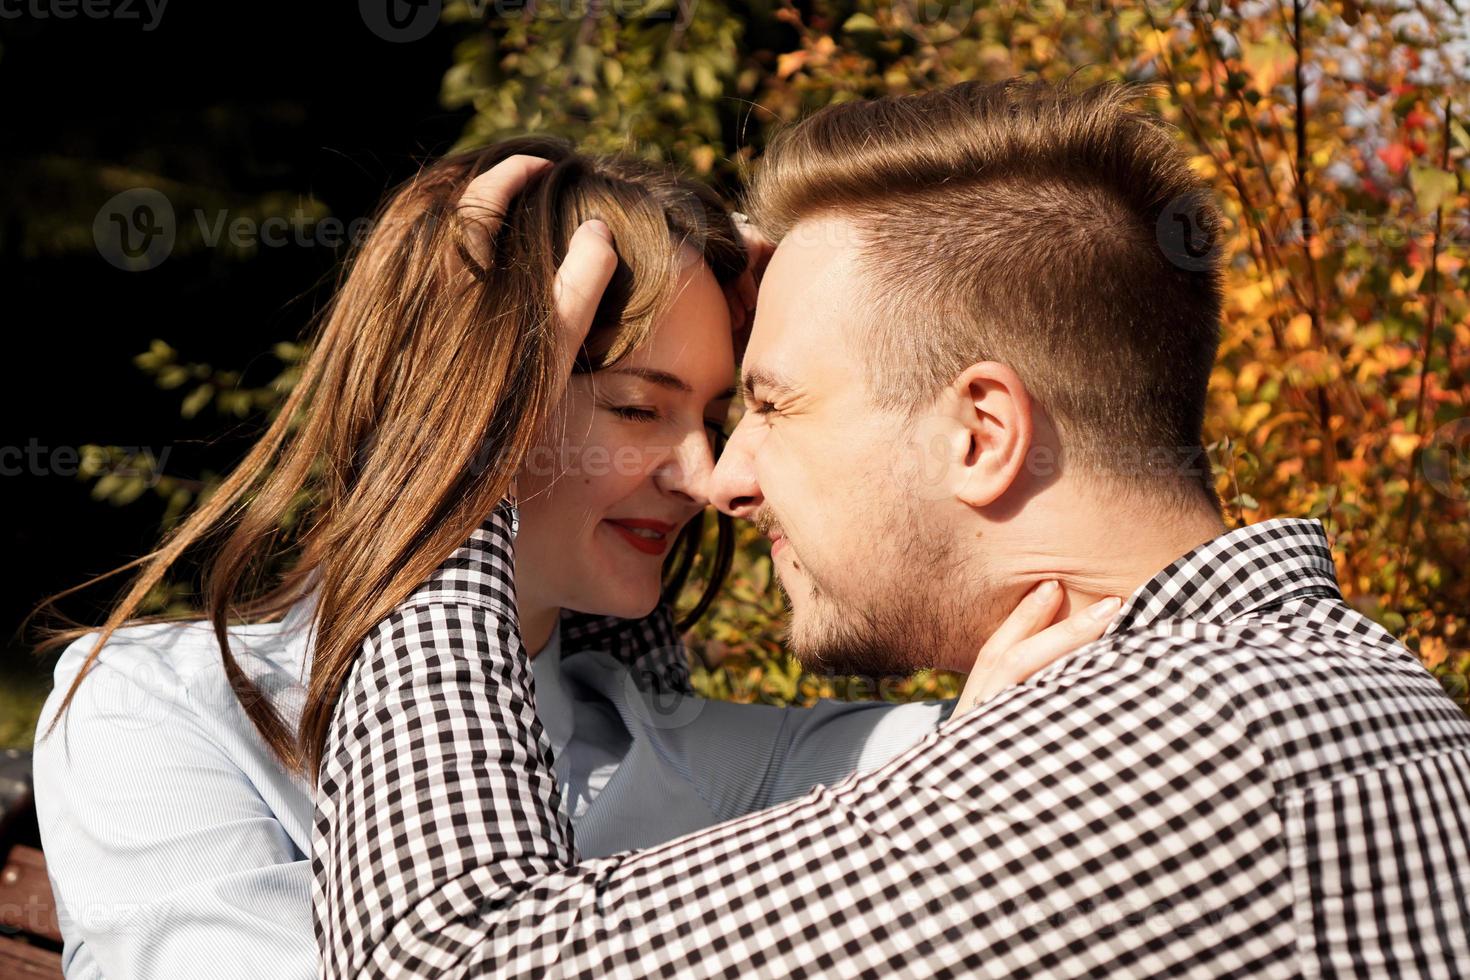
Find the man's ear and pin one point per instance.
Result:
(993, 414)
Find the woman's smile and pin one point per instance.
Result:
(648, 536)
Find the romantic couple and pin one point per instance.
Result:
(973, 390)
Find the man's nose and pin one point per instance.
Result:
(733, 487)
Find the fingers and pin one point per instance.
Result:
(1055, 642)
(488, 197)
(1031, 614)
(585, 272)
(1017, 657)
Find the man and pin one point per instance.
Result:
(979, 362)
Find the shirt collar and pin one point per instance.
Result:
(553, 703)
(1238, 573)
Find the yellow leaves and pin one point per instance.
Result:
(1043, 48)
(1401, 285)
(1253, 416)
(1203, 164)
(1432, 187)
(1384, 359)
(703, 159)
(815, 56)
(790, 63)
(1248, 296)
(1403, 444)
(1311, 368)
(1433, 651)
(1128, 20)
(1288, 469)
(1299, 331)
(1267, 61)
(1263, 434)
(1248, 377)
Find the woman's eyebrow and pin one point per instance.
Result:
(666, 380)
(653, 376)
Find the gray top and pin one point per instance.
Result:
(172, 835)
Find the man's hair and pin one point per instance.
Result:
(1062, 233)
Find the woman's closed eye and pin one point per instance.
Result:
(635, 413)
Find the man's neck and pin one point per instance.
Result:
(1093, 547)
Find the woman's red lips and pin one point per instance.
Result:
(654, 540)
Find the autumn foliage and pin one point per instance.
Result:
(1332, 132)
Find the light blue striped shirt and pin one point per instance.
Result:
(177, 845)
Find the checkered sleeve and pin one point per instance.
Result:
(1110, 817)
(651, 648)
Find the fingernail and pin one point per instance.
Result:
(1106, 609)
(596, 225)
(1046, 590)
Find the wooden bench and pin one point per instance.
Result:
(30, 939)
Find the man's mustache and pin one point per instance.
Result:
(766, 523)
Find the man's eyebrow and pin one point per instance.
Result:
(753, 378)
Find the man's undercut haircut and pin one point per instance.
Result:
(1060, 232)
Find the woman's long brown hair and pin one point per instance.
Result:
(426, 384)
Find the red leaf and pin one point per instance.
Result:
(1396, 156)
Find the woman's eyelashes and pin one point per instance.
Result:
(640, 413)
(635, 413)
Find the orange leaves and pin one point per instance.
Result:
(1302, 421)
(816, 55)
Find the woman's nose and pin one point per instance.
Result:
(732, 485)
(687, 470)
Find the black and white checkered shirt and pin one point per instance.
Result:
(1244, 777)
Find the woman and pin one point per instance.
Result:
(173, 786)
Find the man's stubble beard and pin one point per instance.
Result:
(924, 602)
